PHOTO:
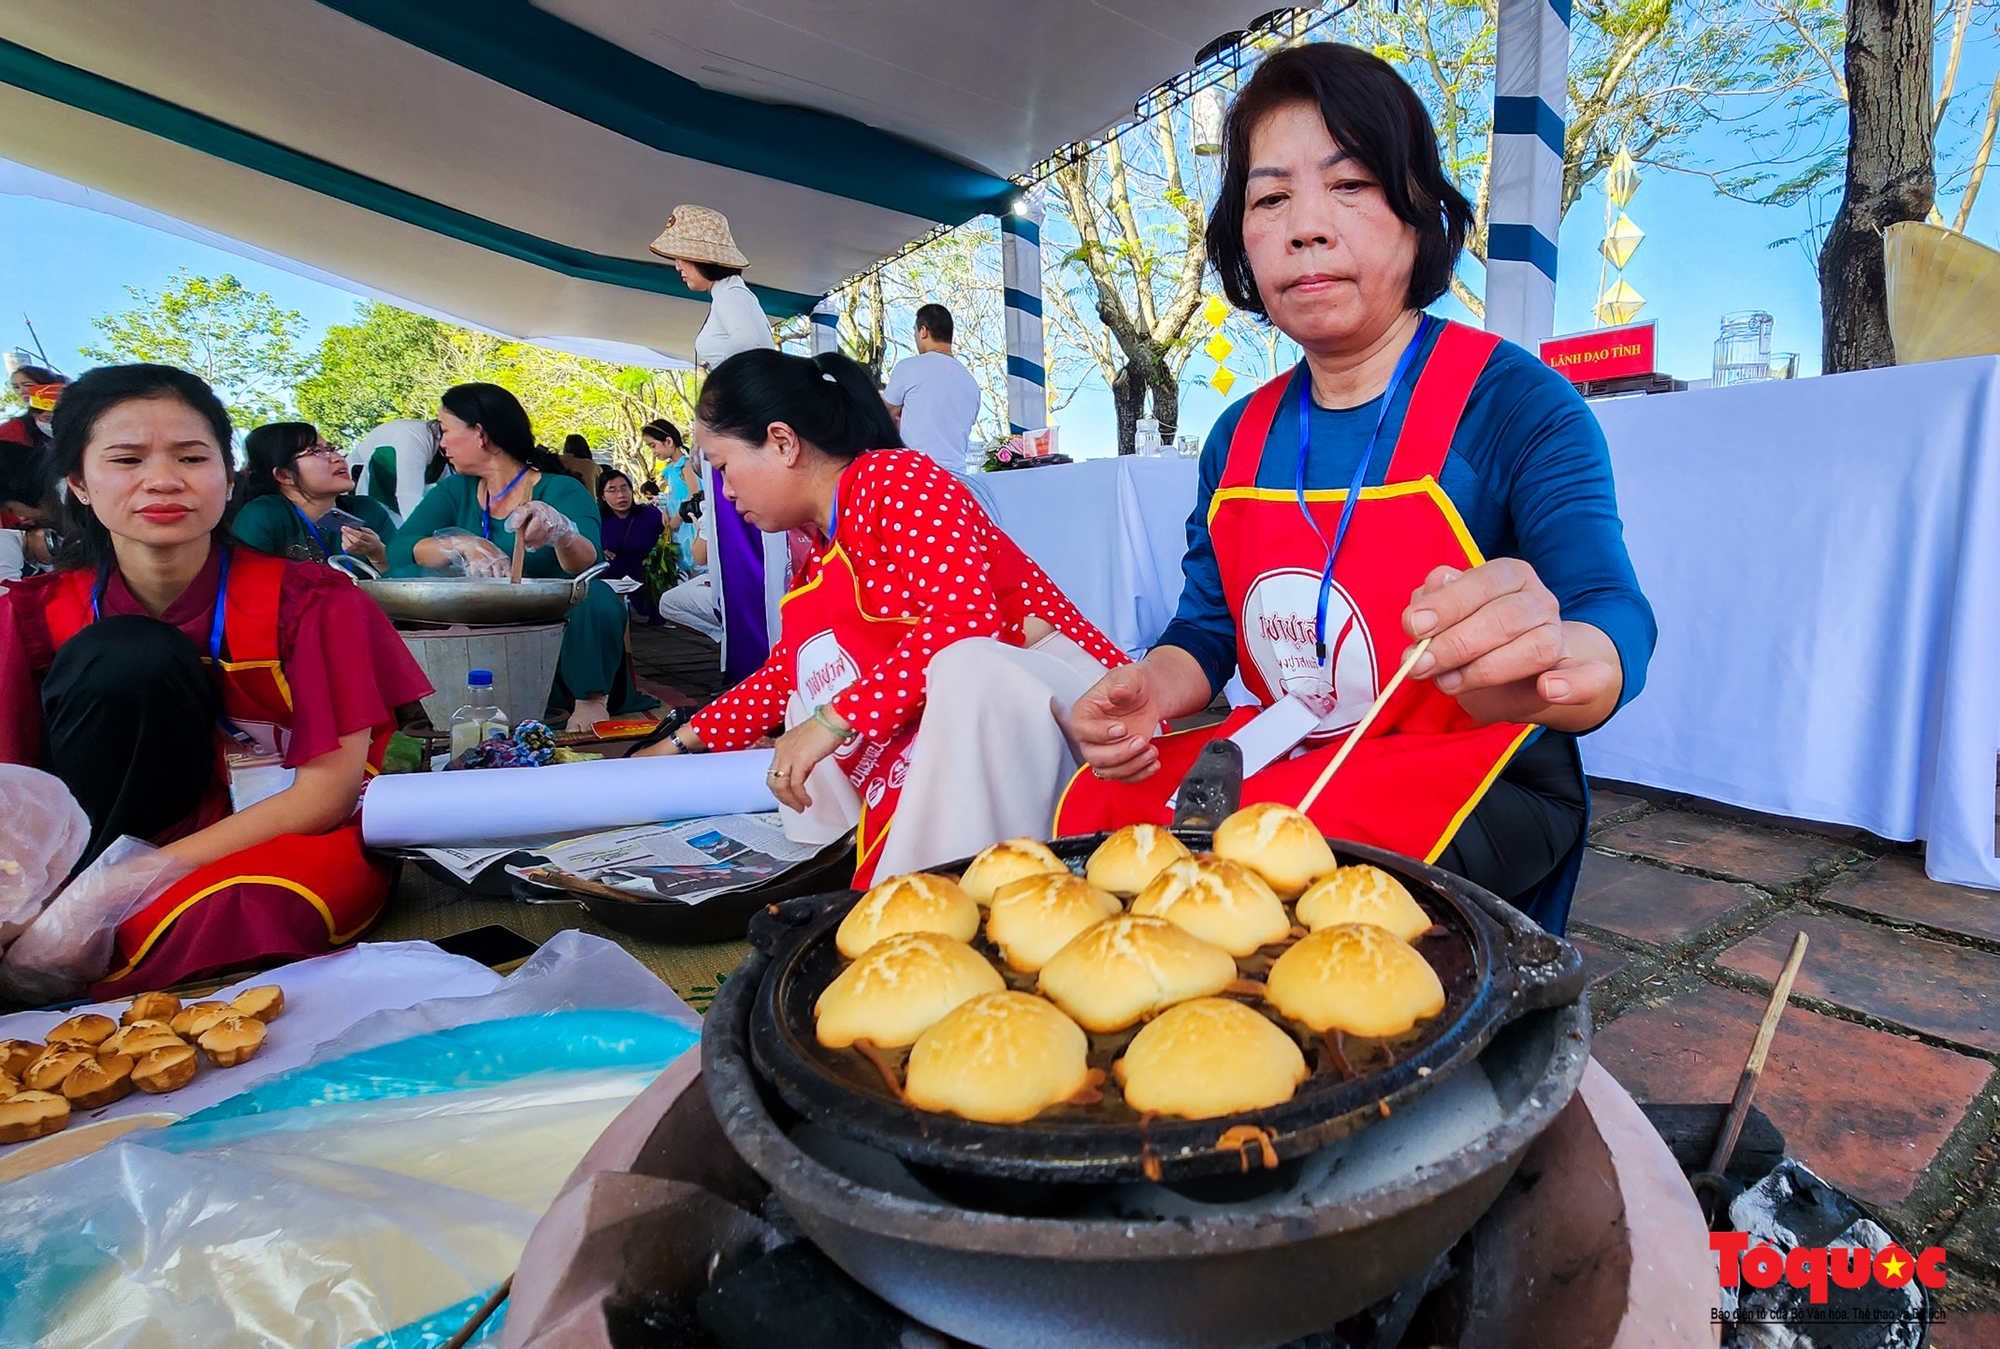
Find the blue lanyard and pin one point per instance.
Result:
(487, 509)
(214, 624)
(1354, 486)
(312, 530)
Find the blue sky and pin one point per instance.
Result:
(1702, 256)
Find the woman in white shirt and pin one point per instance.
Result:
(747, 569)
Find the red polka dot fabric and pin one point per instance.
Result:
(921, 547)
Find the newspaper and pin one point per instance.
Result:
(688, 860)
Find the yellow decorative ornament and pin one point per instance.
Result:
(1215, 312)
(1620, 304)
(1222, 381)
(1621, 242)
(1218, 348)
(1623, 180)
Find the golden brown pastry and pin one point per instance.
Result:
(1354, 977)
(87, 1028)
(264, 1003)
(167, 1069)
(99, 1082)
(1207, 1058)
(9, 1085)
(1222, 902)
(151, 1007)
(915, 903)
(1127, 862)
(56, 1063)
(16, 1055)
(141, 1037)
(197, 1017)
(1130, 966)
(1001, 1058)
(1010, 860)
(232, 1040)
(899, 988)
(1363, 894)
(1033, 918)
(32, 1114)
(1278, 843)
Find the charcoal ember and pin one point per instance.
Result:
(796, 1296)
(1792, 1208)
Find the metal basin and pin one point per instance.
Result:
(474, 602)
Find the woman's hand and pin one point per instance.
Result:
(541, 525)
(797, 753)
(1115, 722)
(1499, 645)
(365, 544)
(472, 555)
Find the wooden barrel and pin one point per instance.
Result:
(522, 658)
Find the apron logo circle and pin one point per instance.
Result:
(824, 670)
(876, 790)
(1277, 628)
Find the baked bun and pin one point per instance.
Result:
(138, 1038)
(87, 1028)
(32, 1114)
(1209, 1057)
(899, 988)
(1001, 1058)
(56, 1063)
(916, 903)
(1010, 860)
(99, 1082)
(232, 1040)
(1032, 919)
(167, 1069)
(151, 1007)
(1354, 977)
(1130, 966)
(16, 1055)
(196, 1017)
(263, 1003)
(1363, 894)
(1222, 902)
(9, 1085)
(1278, 843)
(1126, 863)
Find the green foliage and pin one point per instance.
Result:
(241, 341)
(384, 365)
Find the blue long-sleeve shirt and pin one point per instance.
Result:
(1528, 471)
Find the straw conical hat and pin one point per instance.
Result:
(1944, 294)
(698, 234)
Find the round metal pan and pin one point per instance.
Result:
(1496, 963)
(475, 602)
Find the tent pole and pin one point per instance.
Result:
(1531, 96)
(1021, 274)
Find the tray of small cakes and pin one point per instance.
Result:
(1169, 1004)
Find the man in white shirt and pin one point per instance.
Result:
(934, 399)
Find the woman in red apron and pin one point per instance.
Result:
(1412, 478)
(156, 647)
(924, 659)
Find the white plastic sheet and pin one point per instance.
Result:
(42, 833)
(408, 810)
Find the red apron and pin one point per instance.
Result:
(295, 895)
(833, 639)
(1425, 763)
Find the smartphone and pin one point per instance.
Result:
(494, 946)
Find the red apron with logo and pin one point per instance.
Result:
(833, 639)
(295, 895)
(1425, 763)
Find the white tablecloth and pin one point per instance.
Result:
(1824, 559)
(1109, 532)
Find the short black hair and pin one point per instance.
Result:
(86, 542)
(828, 399)
(267, 449)
(714, 271)
(935, 319)
(1372, 113)
(605, 479)
(576, 446)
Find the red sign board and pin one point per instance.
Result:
(1608, 353)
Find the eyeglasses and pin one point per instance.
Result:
(326, 452)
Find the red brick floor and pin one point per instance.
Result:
(1882, 1076)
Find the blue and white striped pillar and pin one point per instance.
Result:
(825, 326)
(1021, 273)
(1531, 97)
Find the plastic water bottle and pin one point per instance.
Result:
(478, 720)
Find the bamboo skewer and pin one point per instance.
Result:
(1753, 1067)
(1361, 727)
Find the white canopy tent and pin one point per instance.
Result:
(507, 162)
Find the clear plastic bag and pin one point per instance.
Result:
(42, 833)
(371, 1198)
(69, 945)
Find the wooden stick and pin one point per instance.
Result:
(1753, 1067)
(1367, 720)
(479, 1318)
(520, 562)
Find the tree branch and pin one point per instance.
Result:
(1980, 158)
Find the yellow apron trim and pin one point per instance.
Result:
(160, 928)
(1386, 492)
(854, 579)
(1500, 766)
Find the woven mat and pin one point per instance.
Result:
(425, 909)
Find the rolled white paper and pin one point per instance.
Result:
(441, 810)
